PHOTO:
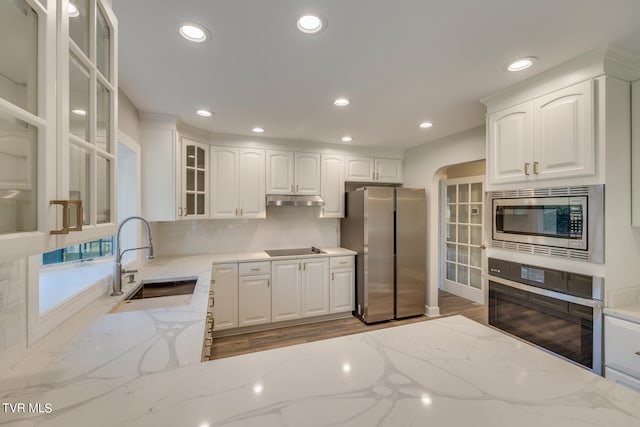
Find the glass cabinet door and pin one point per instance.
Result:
(195, 176)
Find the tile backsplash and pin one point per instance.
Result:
(284, 227)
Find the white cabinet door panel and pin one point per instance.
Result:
(224, 182)
(225, 287)
(315, 287)
(510, 137)
(254, 300)
(388, 170)
(285, 301)
(251, 183)
(564, 143)
(332, 185)
(280, 170)
(342, 290)
(359, 169)
(307, 173)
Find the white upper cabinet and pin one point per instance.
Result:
(510, 137)
(293, 173)
(564, 135)
(371, 169)
(58, 104)
(224, 182)
(237, 183)
(280, 171)
(332, 185)
(194, 180)
(552, 136)
(360, 169)
(388, 170)
(251, 183)
(160, 168)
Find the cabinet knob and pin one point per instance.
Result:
(638, 353)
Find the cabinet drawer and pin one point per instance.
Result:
(341, 261)
(255, 268)
(622, 345)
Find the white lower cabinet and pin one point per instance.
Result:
(254, 300)
(315, 286)
(285, 292)
(255, 293)
(622, 351)
(224, 280)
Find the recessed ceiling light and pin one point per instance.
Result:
(341, 102)
(193, 32)
(79, 112)
(258, 130)
(521, 63)
(72, 10)
(347, 139)
(204, 113)
(425, 125)
(310, 24)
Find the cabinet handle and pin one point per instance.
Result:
(236, 211)
(240, 211)
(373, 175)
(297, 188)
(292, 189)
(535, 168)
(255, 269)
(304, 265)
(333, 275)
(298, 266)
(526, 168)
(268, 282)
(638, 353)
(179, 211)
(377, 176)
(66, 215)
(344, 262)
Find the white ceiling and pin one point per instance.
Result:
(400, 62)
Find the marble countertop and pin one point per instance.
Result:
(450, 371)
(624, 304)
(263, 256)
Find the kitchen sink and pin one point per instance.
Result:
(294, 252)
(158, 294)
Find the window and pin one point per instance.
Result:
(88, 251)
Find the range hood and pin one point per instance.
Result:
(293, 200)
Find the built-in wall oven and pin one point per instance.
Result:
(558, 311)
(562, 221)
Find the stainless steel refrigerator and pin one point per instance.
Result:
(386, 227)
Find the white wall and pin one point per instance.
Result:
(128, 119)
(13, 312)
(422, 168)
(284, 227)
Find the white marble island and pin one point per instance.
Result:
(449, 371)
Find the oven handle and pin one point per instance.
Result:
(594, 303)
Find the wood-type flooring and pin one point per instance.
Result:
(264, 340)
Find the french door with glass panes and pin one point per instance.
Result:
(462, 238)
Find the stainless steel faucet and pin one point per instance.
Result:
(117, 277)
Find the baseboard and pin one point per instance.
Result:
(432, 311)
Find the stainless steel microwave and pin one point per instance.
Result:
(564, 221)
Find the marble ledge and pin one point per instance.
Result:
(450, 371)
(624, 304)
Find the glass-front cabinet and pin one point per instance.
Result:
(88, 121)
(195, 179)
(58, 101)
